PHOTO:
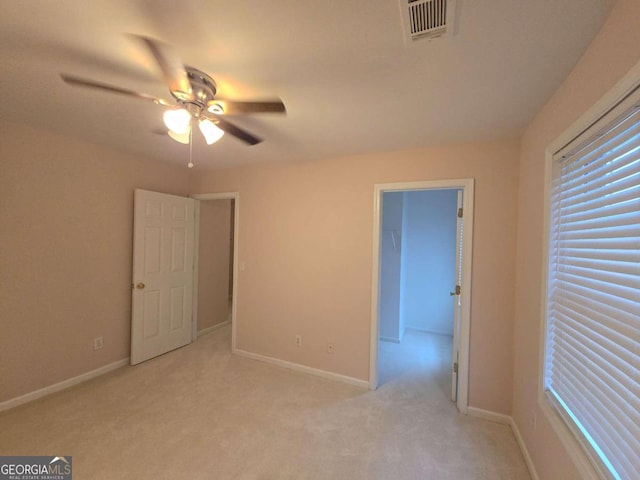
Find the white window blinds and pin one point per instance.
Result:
(592, 363)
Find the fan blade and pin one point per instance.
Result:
(83, 82)
(236, 131)
(171, 66)
(231, 107)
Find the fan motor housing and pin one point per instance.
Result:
(203, 88)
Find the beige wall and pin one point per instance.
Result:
(213, 263)
(305, 236)
(66, 212)
(614, 51)
(306, 239)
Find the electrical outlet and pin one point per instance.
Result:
(98, 343)
(298, 340)
(330, 347)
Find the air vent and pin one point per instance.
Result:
(427, 18)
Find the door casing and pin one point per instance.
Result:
(456, 297)
(467, 186)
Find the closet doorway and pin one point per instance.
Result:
(215, 263)
(422, 283)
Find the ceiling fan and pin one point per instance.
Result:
(194, 99)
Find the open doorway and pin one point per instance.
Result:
(215, 259)
(418, 248)
(421, 284)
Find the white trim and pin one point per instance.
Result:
(56, 387)
(375, 289)
(489, 415)
(507, 420)
(467, 185)
(235, 196)
(196, 271)
(427, 330)
(303, 369)
(569, 441)
(389, 339)
(213, 328)
(523, 448)
(621, 90)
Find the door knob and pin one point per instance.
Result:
(140, 286)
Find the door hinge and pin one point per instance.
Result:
(460, 212)
(455, 367)
(458, 289)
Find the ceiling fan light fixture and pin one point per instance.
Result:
(181, 137)
(177, 120)
(210, 131)
(195, 92)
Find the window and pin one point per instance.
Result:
(592, 355)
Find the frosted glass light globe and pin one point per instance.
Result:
(210, 131)
(178, 121)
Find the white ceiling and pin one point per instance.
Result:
(349, 83)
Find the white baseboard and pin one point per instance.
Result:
(304, 369)
(523, 449)
(390, 339)
(204, 331)
(56, 387)
(427, 330)
(507, 420)
(489, 415)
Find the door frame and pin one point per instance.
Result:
(467, 186)
(457, 301)
(198, 197)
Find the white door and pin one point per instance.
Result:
(163, 232)
(456, 293)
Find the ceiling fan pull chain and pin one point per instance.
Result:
(190, 164)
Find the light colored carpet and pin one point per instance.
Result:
(202, 413)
